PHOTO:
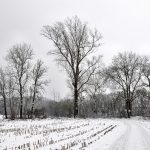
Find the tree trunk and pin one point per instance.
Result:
(129, 108)
(95, 104)
(21, 105)
(21, 97)
(75, 102)
(5, 107)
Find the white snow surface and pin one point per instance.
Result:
(75, 134)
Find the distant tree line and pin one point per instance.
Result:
(76, 47)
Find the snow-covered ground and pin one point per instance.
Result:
(74, 134)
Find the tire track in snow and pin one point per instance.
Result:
(135, 138)
(122, 140)
(145, 137)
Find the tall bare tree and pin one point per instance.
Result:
(19, 57)
(3, 89)
(74, 43)
(126, 72)
(11, 91)
(37, 74)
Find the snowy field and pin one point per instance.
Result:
(74, 134)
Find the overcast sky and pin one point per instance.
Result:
(124, 25)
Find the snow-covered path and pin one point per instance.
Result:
(136, 137)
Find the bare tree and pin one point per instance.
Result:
(11, 92)
(126, 72)
(95, 87)
(142, 102)
(38, 73)
(146, 80)
(146, 74)
(3, 89)
(19, 57)
(74, 43)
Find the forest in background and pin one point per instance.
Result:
(76, 48)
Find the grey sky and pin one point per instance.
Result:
(124, 25)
